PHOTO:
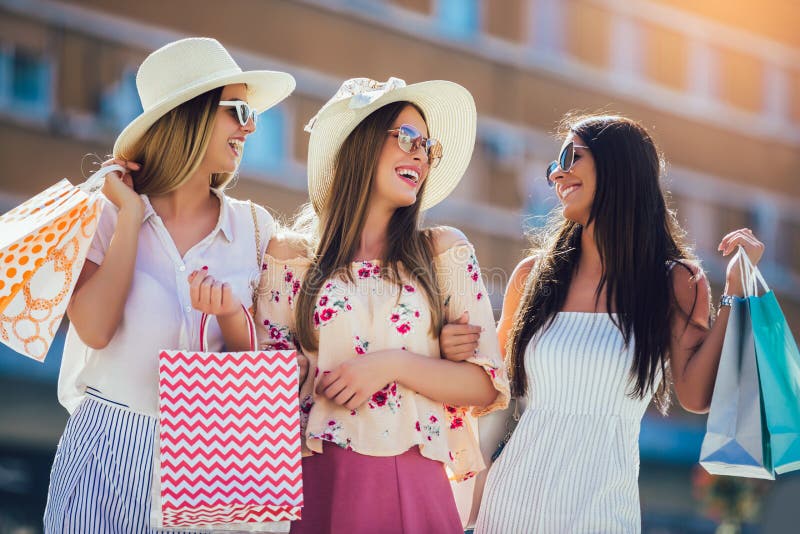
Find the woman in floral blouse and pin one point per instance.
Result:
(384, 417)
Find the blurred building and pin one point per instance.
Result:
(717, 83)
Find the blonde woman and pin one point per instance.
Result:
(164, 242)
(383, 414)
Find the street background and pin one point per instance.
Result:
(716, 82)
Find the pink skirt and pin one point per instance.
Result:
(347, 492)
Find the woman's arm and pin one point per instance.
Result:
(695, 349)
(477, 381)
(283, 247)
(99, 298)
(511, 300)
(459, 340)
(456, 383)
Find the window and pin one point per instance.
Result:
(459, 19)
(703, 69)
(546, 26)
(776, 93)
(25, 82)
(266, 148)
(120, 104)
(626, 45)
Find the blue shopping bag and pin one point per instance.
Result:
(736, 442)
(779, 376)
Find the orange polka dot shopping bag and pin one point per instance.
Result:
(43, 244)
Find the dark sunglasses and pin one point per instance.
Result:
(410, 140)
(565, 160)
(243, 110)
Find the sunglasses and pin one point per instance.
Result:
(410, 140)
(243, 110)
(565, 160)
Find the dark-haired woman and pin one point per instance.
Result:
(609, 305)
(384, 416)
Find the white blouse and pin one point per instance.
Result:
(158, 313)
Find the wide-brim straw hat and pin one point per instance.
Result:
(450, 115)
(182, 70)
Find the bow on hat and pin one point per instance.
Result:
(361, 91)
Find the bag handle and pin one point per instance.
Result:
(251, 329)
(95, 182)
(257, 233)
(751, 276)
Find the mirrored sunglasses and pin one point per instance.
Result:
(410, 140)
(565, 160)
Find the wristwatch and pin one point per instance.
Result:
(726, 300)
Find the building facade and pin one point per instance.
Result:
(717, 84)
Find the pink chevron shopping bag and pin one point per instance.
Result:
(229, 437)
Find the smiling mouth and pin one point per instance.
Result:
(409, 175)
(569, 190)
(236, 146)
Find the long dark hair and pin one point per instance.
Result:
(638, 239)
(342, 220)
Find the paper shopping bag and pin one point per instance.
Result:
(737, 441)
(229, 437)
(779, 375)
(43, 244)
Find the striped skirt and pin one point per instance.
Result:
(102, 472)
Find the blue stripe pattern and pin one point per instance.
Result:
(572, 464)
(102, 472)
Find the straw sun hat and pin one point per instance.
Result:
(449, 113)
(182, 70)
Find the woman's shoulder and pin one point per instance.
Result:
(289, 246)
(686, 275)
(444, 238)
(525, 266)
(690, 287)
(519, 276)
(247, 210)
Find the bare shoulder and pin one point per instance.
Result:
(686, 275)
(519, 277)
(446, 237)
(691, 289)
(288, 246)
(523, 268)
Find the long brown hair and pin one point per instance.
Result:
(638, 238)
(172, 149)
(342, 219)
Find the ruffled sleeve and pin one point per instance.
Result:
(278, 288)
(463, 289)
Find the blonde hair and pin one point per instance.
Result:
(171, 150)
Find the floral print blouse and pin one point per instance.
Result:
(372, 315)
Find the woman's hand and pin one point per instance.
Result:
(302, 366)
(459, 340)
(357, 379)
(754, 249)
(119, 189)
(212, 296)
